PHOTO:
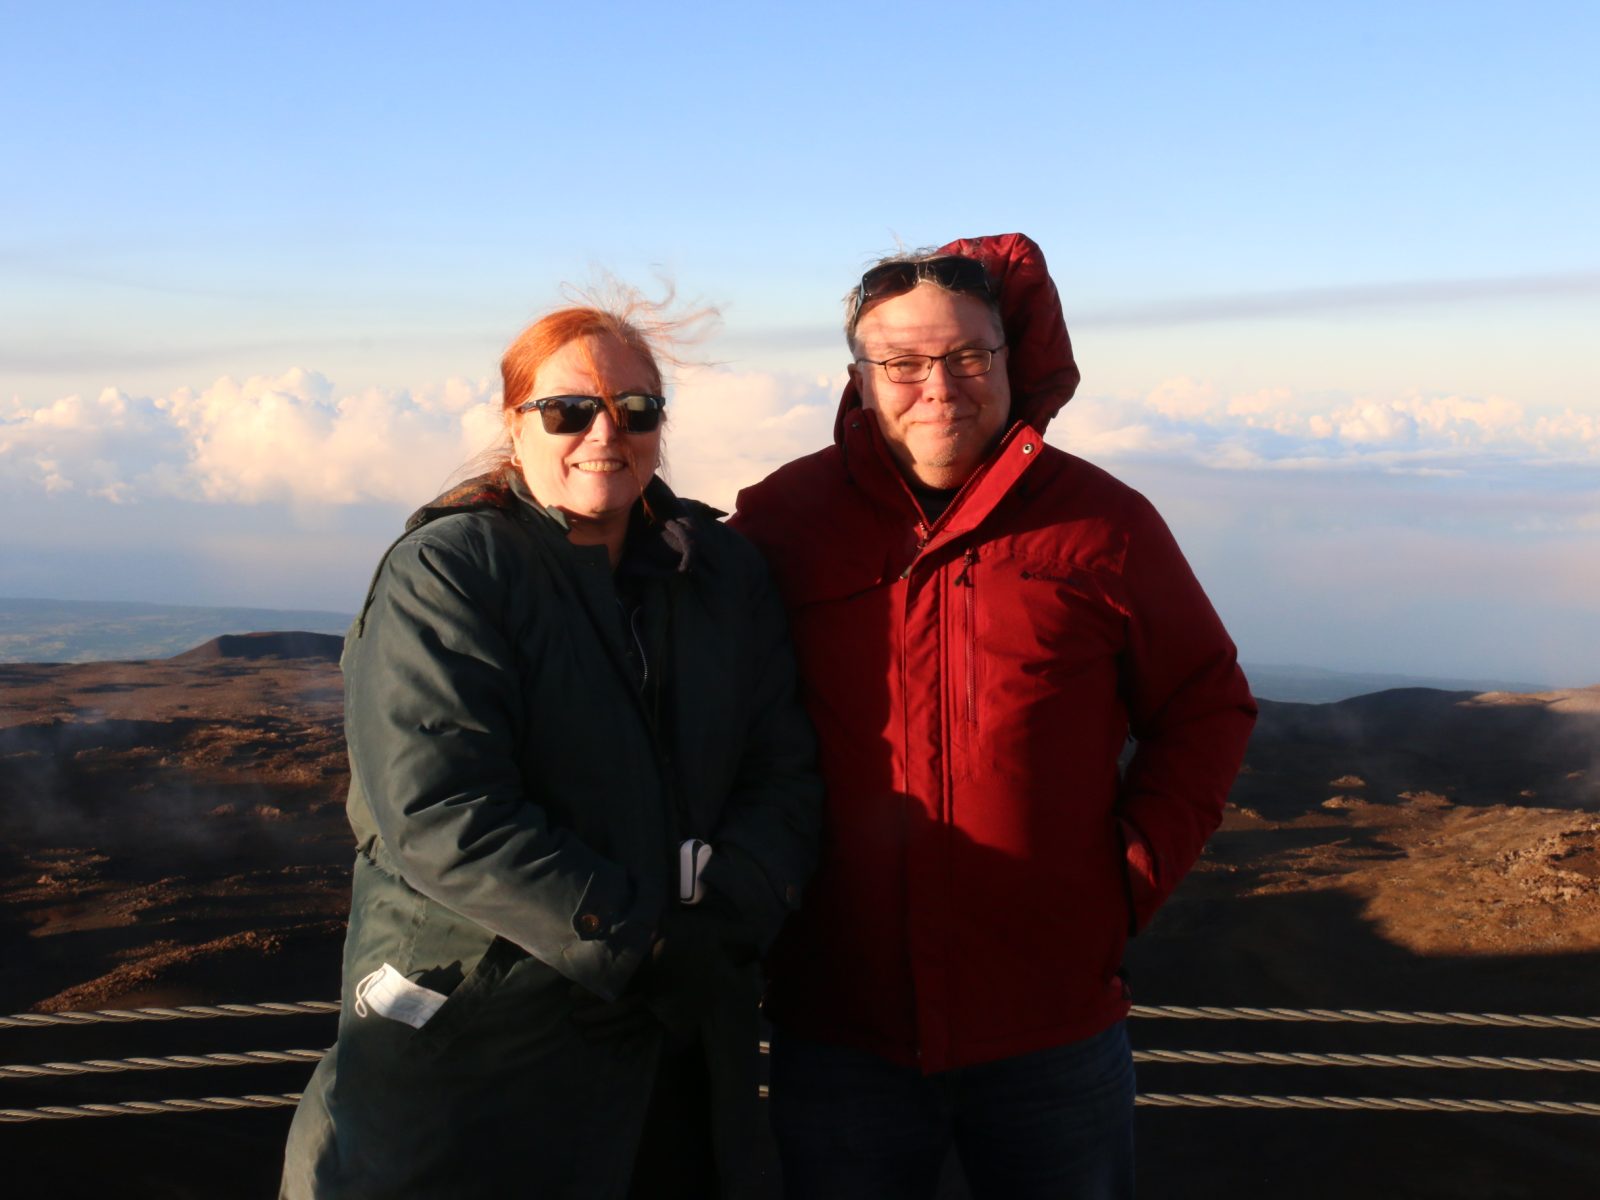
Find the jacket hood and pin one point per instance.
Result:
(1042, 371)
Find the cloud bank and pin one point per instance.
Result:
(296, 439)
(284, 439)
(1278, 429)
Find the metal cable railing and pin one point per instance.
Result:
(107, 1066)
(144, 1108)
(1212, 1058)
(189, 1012)
(1364, 1017)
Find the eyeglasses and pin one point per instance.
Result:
(914, 368)
(639, 412)
(953, 272)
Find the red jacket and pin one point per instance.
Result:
(973, 682)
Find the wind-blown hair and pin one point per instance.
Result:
(852, 300)
(655, 330)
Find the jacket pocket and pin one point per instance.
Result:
(387, 993)
(467, 1000)
(1053, 619)
(1140, 882)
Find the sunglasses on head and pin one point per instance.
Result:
(953, 272)
(638, 412)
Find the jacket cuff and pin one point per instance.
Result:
(610, 939)
(738, 878)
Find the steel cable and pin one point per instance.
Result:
(1363, 1016)
(105, 1066)
(188, 1012)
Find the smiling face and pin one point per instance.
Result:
(594, 476)
(941, 429)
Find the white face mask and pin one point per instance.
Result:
(387, 993)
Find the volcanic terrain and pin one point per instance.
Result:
(173, 833)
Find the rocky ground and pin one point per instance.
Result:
(172, 832)
(165, 820)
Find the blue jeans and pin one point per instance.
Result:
(1055, 1123)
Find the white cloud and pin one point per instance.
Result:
(289, 438)
(50, 475)
(1464, 418)
(727, 429)
(295, 439)
(1183, 398)
(1278, 429)
(1567, 427)
(1260, 403)
(1369, 423)
(93, 444)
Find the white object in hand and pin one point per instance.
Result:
(692, 858)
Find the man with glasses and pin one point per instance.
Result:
(982, 623)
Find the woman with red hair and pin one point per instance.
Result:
(583, 798)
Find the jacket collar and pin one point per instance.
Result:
(481, 491)
(873, 469)
(661, 543)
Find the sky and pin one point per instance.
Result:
(1331, 271)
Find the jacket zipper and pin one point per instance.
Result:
(644, 659)
(664, 760)
(965, 580)
(924, 533)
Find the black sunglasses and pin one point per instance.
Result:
(639, 412)
(953, 272)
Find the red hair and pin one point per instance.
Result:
(535, 344)
(647, 327)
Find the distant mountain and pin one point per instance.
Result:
(1318, 685)
(323, 647)
(1476, 748)
(99, 631)
(104, 631)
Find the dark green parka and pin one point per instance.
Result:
(526, 755)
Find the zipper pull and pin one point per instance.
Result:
(967, 559)
(923, 532)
